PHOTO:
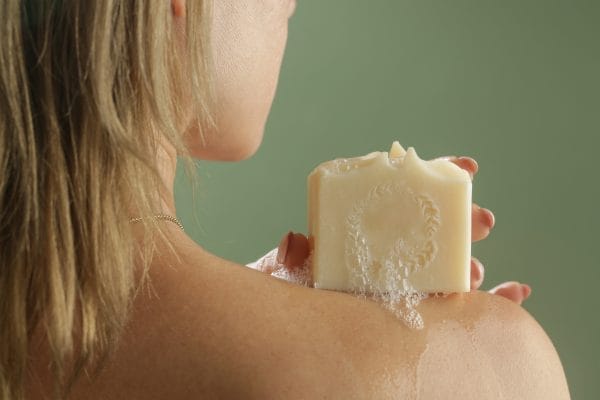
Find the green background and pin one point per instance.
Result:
(513, 83)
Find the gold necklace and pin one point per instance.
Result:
(160, 216)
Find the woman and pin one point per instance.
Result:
(103, 296)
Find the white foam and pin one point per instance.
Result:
(299, 275)
(383, 273)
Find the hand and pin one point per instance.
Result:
(293, 249)
(483, 221)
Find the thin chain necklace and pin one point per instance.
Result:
(160, 216)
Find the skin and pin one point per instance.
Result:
(209, 328)
(249, 38)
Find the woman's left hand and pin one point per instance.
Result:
(293, 250)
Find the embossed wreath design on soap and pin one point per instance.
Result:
(390, 222)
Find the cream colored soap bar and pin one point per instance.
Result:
(390, 222)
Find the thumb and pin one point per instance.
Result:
(292, 252)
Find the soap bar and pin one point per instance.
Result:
(390, 222)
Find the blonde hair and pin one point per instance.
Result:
(84, 87)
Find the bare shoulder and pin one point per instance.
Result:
(224, 331)
(486, 344)
(473, 346)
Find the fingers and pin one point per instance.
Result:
(466, 163)
(514, 291)
(477, 273)
(293, 250)
(292, 253)
(482, 221)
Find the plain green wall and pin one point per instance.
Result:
(513, 83)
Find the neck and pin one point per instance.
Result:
(180, 247)
(167, 166)
(183, 244)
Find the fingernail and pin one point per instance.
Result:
(473, 167)
(297, 250)
(526, 290)
(476, 274)
(488, 218)
(284, 245)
